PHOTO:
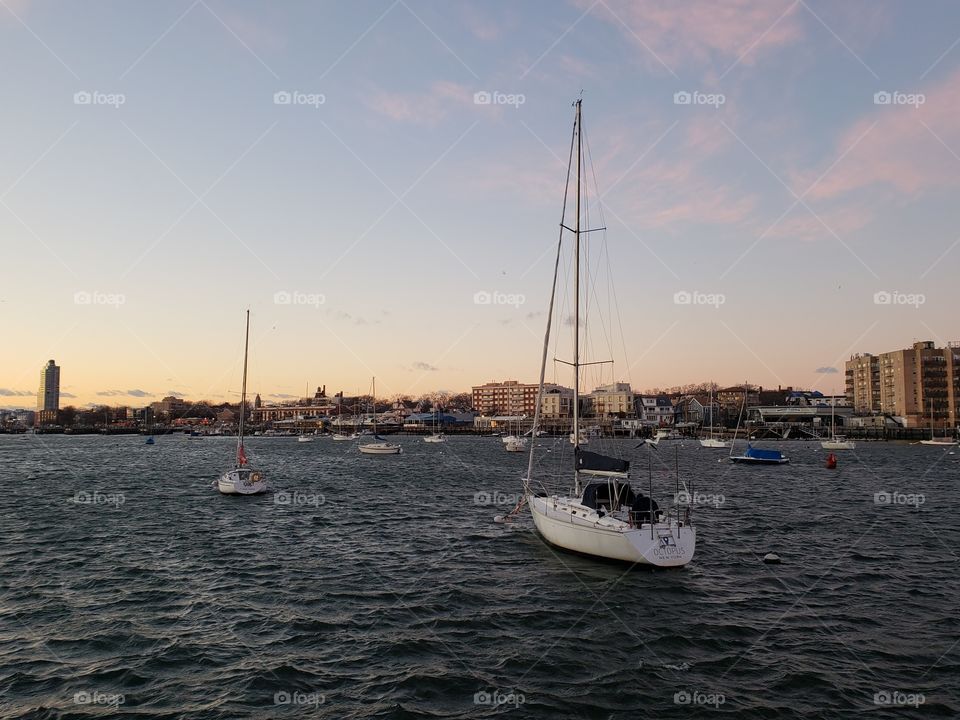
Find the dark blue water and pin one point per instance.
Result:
(382, 589)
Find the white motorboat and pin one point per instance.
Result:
(516, 445)
(242, 480)
(435, 438)
(339, 437)
(602, 515)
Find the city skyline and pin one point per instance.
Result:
(381, 185)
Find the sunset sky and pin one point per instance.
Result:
(155, 183)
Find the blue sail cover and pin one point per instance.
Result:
(763, 454)
(595, 462)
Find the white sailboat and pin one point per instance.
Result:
(436, 436)
(942, 442)
(836, 442)
(381, 447)
(242, 479)
(710, 441)
(603, 515)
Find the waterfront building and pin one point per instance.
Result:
(654, 410)
(557, 403)
(613, 400)
(732, 397)
(48, 396)
(905, 383)
(511, 397)
(318, 406)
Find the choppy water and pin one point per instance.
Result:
(384, 590)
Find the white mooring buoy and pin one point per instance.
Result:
(771, 559)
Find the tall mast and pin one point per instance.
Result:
(576, 310)
(243, 388)
(374, 408)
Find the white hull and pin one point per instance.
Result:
(241, 482)
(714, 443)
(666, 545)
(941, 443)
(340, 438)
(304, 438)
(838, 445)
(516, 446)
(509, 438)
(381, 449)
(435, 439)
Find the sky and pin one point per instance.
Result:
(380, 183)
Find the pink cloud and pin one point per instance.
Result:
(428, 108)
(904, 148)
(698, 31)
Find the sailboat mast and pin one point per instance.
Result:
(576, 309)
(374, 390)
(243, 388)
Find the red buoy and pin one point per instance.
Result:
(831, 462)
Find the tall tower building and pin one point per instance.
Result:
(48, 396)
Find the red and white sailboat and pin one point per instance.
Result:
(242, 479)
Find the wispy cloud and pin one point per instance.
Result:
(129, 393)
(428, 108)
(425, 367)
(6, 392)
(679, 34)
(826, 370)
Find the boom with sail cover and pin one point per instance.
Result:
(596, 464)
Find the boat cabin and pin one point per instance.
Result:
(609, 496)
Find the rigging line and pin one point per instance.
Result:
(546, 334)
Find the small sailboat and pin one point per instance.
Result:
(836, 442)
(382, 446)
(603, 515)
(150, 440)
(242, 479)
(942, 442)
(710, 441)
(436, 436)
